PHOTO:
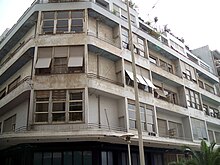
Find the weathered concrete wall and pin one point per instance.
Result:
(23, 72)
(20, 111)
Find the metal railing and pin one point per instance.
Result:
(15, 51)
(103, 39)
(27, 78)
(92, 75)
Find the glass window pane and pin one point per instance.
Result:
(75, 106)
(132, 124)
(41, 117)
(104, 158)
(78, 22)
(62, 14)
(76, 28)
(58, 116)
(48, 15)
(58, 107)
(57, 158)
(77, 14)
(59, 95)
(67, 158)
(131, 106)
(87, 158)
(47, 159)
(42, 95)
(42, 107)
(38, 158)
(76, 116)
(110, 158)
(75, 96)
(132, 114)
(77, 157)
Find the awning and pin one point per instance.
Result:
(43, 63)
(141, 80)
(149, 83)
(130, 74)
(75, 62)
(160, 92)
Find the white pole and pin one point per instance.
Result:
(129, 154)
(137, 104)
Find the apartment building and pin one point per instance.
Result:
(67, 88)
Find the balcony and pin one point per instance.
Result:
(19, 92)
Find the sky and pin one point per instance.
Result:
(197, 21)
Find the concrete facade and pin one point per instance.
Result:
(66, 80)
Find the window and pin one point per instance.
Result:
(75, 106)
(13, 84)
(177, 47)
(43, 65)
(188, 72)
(116, 9)
(187, 75)
(205, 109)
(9, 124)
(162, 127)
(59, 106)
(48, 22)
(59, 65)
(201, 84)
(163, 64)
(124, 14)
(211, 136)
(2, 93)
(133, 19)
(77, 21)
(139, 45)
(199, 131)
(125, 39)
(147, 117)
(143, 82)
(193, 99)
(65, 157)
(42, 106)
(153, 60)
(107, 158)
(102, 4)
(62, 22)
(213, 112)
(132, 116)
(175, 130)
(166, 66)
(64, 60)
(169, 68)
(217, 137)
(209, 88)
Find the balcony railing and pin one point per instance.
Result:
(92, 75)
(26, 79)
(103, 39)
(16, 50)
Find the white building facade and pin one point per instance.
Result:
(67, 95)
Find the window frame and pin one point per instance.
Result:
(66, 101)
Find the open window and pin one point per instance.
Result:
(43, 64)
(75, 62)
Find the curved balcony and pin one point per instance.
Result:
(19, 92)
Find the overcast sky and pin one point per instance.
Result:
(197, 21)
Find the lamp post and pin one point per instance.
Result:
(127, 138)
